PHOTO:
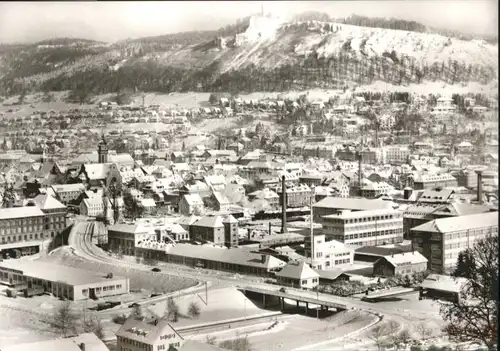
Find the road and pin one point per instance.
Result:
(408, 313)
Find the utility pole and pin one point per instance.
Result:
(311, 228)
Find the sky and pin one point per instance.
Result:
(113, 21)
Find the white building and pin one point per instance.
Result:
(299, 275)
(328, 254)
(141, 333)
(396, 154)
(94, 207)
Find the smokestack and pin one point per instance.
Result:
(283, 205)
(479, 186)
(270, 228)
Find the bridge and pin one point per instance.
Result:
(324, 301)
(384, 294)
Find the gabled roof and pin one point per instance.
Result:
(297, 270)
(452, 224)
(221, 198)
(47, 202)
(209, 222)
(193, 199)
(145, 330)
(414, 257)
(96, 171)
(92, 343)
(130, 228)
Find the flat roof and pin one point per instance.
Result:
(57, 273)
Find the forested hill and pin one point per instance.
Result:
(258, 53)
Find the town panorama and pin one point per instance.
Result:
(249, 176)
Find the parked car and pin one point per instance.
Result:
(156, 269)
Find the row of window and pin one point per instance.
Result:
(24, 237)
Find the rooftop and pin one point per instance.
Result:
(350, 203)
(414, 257)
(146, 330)
(20, 212)
(92, 343)
(57, 273)
(453, 224)
(297, 270)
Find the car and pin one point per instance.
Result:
(283, 290)
(156, 269)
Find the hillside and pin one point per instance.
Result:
(259, 53)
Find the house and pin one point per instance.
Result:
(67, 193)
(94, 207)
(149, 205)
(191, 204)
(219, 230)
(400, 264)
(265, 194)
(298, 274)
(221, 201)
(143, 333)
(125, 237)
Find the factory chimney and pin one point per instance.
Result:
(283, 205)
(479, 186)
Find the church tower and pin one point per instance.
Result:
(102, 150)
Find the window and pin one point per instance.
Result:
(304, 282)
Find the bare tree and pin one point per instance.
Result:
(94, 325)
(211, 340)
(473, 316)
(401, 339)
(64, 319)
(378, 335)
(423, 331)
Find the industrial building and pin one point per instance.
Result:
(332, 205)
(236, 260)
(364, 228)
(25, 228)
(328, 254)
(441, 240)
(62, 281)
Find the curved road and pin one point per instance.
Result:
(408, 315)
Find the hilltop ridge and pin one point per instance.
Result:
(259, 53)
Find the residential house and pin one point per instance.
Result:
(68, 193)
(221, 201)
(125, 237)
(400, 264)
(191, 204)
(297, 196)
(143, 333)
(94, 207)
(219, 230)
(298, 274)
(266, 194)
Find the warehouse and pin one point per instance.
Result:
(61, 281)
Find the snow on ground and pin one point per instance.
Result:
(223, 304)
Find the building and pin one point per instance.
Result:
(443, 287)
(312, 180)
(397, 155)
(25, 228)
(433, 181)
(67, 193)
(416, 215)
(190, 204)
(235, 260)
(400, 264)
(266, 194)
(82, 342)
(296, 196)
(55, 213)
(328, 254)
(102, 151)
(125, 237)
(372, 190)
(94, 207)
(62, 281)
(364, 228)
(219, 230)
(298, 274)
(441, 240)
(142, 333)
(332, 205)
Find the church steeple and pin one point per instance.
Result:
(102, 150)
